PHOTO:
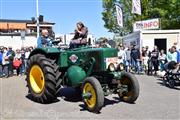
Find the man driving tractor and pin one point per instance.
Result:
(43, 40)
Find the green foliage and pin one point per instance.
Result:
(167, 10)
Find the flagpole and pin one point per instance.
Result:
(37, 17)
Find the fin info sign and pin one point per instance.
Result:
(147, 24)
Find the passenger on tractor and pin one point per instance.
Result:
(80, 37)
(43, 39)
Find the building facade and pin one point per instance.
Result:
(163, 39)
(21, 33)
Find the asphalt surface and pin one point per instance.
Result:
(155, 102)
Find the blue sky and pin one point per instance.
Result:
(65, 13)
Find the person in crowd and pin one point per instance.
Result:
(18, 62)
(80, 36)
(5, 62)
(176, 45)
(10, 55)
(178, 55)
(148, 52)
(23, 60)
(104, 43)
(121, 54)
(27, 53)
(162, 60)
(135, 57)
(17, 54)
(31, 48)
(145, 58)
(128, 59)
(1, 57)
(17, 65)
(154, 59)
(43, 39)
(172, 54)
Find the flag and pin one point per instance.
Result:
(136, 7)
(119, 16)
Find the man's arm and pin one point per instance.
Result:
(39, 43)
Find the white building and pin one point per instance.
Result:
(16, 43)
(68, 37)
(164, 39)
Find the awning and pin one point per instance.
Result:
(3, 25)
(21, 26)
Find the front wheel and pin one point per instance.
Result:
(92, 94)
(133, 88)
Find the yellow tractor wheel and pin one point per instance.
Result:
(92, 94)
(41, 79)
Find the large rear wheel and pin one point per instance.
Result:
(92, 94)
(133, 87)
(42, 75)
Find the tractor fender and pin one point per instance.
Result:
(44, 51)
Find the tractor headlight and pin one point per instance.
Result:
(121, 66)
(111, 67)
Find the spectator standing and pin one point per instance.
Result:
(121, 54)
(172, 54)
(148, 52)
(135, 57)
(17, 62)
(154, 59)
(10, 55)
(145, 58)
(5, 62)
(128, 59)
(1, 57)
(17, 65)
(23, 60)
(162, 60)
(27, 53)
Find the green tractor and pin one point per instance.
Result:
(94, 71)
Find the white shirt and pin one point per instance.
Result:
(122, 54)
(27, 55)
(4, 59)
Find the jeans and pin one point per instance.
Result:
(128, 64)
(5, 69)
(155, 65)
(10, 67)
(1, 70)
(136, 65)
(22, 70)
(162, 63)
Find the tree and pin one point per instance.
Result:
(167, 10)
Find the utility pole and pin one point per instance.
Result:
(37, 17)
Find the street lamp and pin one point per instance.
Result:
(37, 17)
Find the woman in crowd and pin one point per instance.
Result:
(154, 59)
(162, 60)
(5, 63)
(17, 62)
(145, 58)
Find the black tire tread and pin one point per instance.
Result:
(135, 85)
(50, 70)
(99, 94)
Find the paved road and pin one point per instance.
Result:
(155, 102)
